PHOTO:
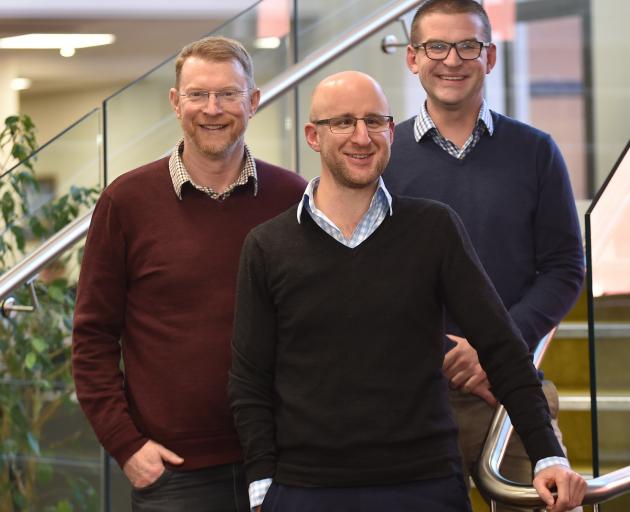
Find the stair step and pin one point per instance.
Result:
(605, 402)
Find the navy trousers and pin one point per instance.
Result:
(216, 489)
(447, 494)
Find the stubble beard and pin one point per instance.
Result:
(340, 172)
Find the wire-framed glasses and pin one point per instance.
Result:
(224, 97)
(469, 49)
(347, 124)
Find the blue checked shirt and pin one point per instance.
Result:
(424, 125)
(380, 206)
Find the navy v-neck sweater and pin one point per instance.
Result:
(337, 353)
(513, 194)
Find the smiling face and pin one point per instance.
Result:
(451, 84)
(213, 129)
(351, 160)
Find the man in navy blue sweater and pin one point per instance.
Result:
(336, 382)
(508, 183)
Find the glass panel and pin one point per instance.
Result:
(608, 245)
(320, 22)
(56, 184)
(49, 457)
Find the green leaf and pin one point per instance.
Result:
(8, 207)
(56, 293)
(30, 360)
(64, 506)
(39, 345)
(44, 472)
(18, 233)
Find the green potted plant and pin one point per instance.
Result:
(35, 380)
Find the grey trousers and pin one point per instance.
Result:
(215, 489)
(473, 416)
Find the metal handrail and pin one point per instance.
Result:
(61, 241)
(316, 60)
(499, 488)
(56, 245)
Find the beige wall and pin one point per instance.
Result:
(54, 112)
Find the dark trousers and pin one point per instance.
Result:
(216, 489)
(436, 495)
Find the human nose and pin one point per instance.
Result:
(361, 134)
(452, 57)
(213, 104)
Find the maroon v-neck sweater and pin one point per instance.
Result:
(158, 278)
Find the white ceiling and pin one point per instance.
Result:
(147, 32)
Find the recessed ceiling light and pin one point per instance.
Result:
(56, 41)
(20, 84)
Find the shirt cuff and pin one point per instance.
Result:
(258, 490)
(551, 461)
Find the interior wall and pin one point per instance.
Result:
(54, 112)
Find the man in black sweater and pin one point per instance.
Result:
(336, 383)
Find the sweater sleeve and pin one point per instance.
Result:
(250, 386)
(479, 311)
(558, 250)
(98, 325)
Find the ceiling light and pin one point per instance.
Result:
(267, 43)
(67, 51)
(56, 41)
(20, 84)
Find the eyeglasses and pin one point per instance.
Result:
(225, 97)
(439, 50)
(347, 124)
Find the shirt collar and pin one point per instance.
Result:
(424, 124)
(308, 199)
(180, 175)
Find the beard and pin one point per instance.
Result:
(214, 144)
(348, 178)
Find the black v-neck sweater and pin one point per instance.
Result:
(337, 353)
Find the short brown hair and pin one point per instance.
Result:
(216, 48)
(450, 7)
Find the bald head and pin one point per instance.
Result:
(354, 153)
(330, 95)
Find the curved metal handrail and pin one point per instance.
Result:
(26, 269)
(499, 488)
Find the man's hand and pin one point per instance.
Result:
(462, 369)
(570, 486)
(146, 465)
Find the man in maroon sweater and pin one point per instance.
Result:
(157, 288)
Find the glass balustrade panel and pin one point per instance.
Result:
(608, 250)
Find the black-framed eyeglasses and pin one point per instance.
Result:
(347, 124)
(469, 49)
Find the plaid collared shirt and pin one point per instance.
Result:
(380, 206)
(180, 176)
(424, 125)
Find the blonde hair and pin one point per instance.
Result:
(216, 48)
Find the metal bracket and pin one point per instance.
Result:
(390, 43)
(9, 308)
